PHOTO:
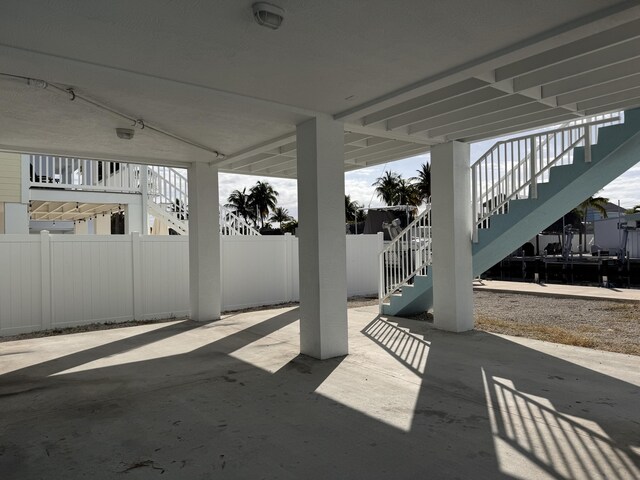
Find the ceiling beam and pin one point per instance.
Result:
(595, 77)
(489, 119)
(452, 104)
(619, 85)
(474, 111)
(549, 115)
(509, 129)
(390, 156)
(580, 65)
(570, 51)
(628, 95)
(563, 34)
(449, 91)
(256, 149)
(394, 135)
(362, 152)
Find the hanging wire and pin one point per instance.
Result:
(74, 96)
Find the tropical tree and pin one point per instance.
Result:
(280, 215)
(240, 203)
(407, 194)
(635, 209)
(387, 187)
(422, 182)
(262, 198)
(351, 209)
(596, 203)
(289, 227)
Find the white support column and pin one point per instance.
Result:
(16, 218)
(133, 218)
(451, 236)
(322, 247)
(144, 193)
(204, 243)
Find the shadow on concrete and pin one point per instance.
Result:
(566, 420)
(484, 407)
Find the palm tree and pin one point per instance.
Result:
(423, 181)
(240, 203)
(407, 194)
(351, 209)
(280, 215)
(635, 209)
(596, 203)
(262, 198)
(387, 187)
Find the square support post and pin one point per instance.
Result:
(204, 243)
(451, 236)
(322, 248)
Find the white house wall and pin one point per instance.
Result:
(608, 236)
(55, 281)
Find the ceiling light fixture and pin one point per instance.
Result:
(268, 15)
(125, 133)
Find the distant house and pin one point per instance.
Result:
(613, 211)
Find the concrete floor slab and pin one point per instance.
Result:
(234, 399)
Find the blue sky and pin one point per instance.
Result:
(625, 189)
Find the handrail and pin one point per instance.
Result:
(514, 167)
(169, 189)
(407, 255)
(70, 173)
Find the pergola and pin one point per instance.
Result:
(339, 86)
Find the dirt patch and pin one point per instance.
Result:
(599, 324)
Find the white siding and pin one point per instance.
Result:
(10, 177)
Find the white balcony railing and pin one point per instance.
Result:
(47, 171)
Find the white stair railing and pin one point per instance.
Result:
(407, 255)
(512, 169)
(169, 191)
(232, 224)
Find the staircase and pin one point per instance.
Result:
(519, 187)
(168, 199)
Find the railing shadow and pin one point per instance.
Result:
(408, 348)
(555, 442)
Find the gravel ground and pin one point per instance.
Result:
(599, 324)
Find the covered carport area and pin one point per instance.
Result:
(339, 86)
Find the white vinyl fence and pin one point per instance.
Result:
(54, 281)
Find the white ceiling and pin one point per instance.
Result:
(402, 75)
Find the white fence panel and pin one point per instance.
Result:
(256, 271)
(362, 264)
(91, 279)
(53, 281)
(20, 284)
(164, 262)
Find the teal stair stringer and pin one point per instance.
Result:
(617, 150)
